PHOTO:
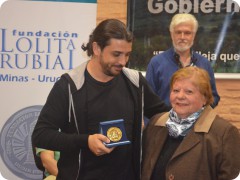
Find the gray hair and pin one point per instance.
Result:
(183, 18)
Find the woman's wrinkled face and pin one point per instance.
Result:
(186, 98)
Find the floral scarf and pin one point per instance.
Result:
(180, 127)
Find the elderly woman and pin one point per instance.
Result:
(191, 142)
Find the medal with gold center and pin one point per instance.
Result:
(114, 134)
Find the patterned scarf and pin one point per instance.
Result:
(180, 127)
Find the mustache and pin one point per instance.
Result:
(119, 66)
(182, 41)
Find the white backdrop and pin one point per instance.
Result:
(39, 41)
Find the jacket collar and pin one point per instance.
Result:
(203, 124)
(77, 74)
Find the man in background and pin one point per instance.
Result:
(183, 29)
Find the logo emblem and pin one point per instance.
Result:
(16, 146)
(114, 134)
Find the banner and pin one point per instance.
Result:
(217, 38)
(39, 41)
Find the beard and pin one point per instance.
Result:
(182, 48)
(110, 69)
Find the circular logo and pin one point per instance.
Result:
(114, 134)
(16, 144)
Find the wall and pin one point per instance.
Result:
(229, 90)
(229, 105)
(112, 9)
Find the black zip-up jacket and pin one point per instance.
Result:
(65, 109)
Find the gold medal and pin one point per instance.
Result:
(114, 134)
